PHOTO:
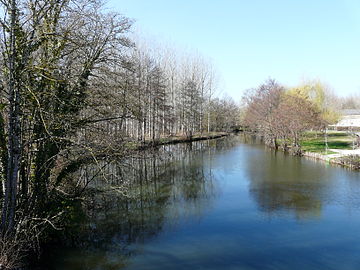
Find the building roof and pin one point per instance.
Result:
(351, 112)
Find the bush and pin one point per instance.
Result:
(11, 254)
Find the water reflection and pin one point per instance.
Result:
(131, 201)
(283, 184)
(221, 204)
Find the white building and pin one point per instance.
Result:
(350, 119)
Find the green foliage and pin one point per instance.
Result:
(313, 91)
(331, 116)
(317, 93)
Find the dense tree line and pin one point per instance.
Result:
(155, 96)
(75, 87)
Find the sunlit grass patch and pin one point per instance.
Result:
(315, 141)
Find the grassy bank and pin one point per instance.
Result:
(315, 142)
(340, 148)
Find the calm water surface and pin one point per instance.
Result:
(225, 204)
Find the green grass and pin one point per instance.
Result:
(314, 142)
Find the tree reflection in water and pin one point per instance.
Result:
(131, 201)
(282, 186)
(224, 204)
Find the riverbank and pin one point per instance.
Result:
(196, 137)
(346, 158)
(178, 139)
(339, 149)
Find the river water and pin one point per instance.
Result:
(221, 204)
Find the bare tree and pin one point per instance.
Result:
(261, 103)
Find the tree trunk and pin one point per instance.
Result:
(14, 129)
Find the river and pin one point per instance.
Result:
(222, 204)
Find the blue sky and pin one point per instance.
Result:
(252, 40)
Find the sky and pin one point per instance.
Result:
(252, 40)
